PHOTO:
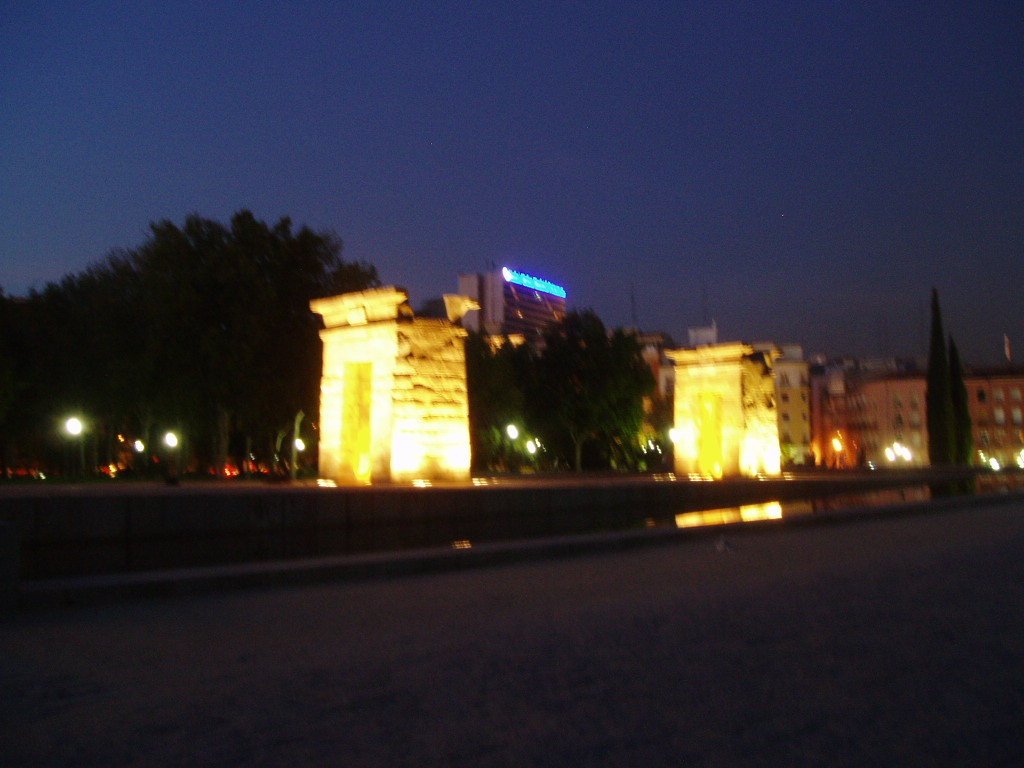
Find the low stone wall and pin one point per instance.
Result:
(56, 532)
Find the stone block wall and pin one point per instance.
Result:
(725, 411)
(417, 407)
(430, 402)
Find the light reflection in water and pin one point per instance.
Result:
(747, 513)
(775, 510)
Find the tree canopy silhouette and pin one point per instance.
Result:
(204, 326)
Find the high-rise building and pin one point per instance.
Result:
(512, 303)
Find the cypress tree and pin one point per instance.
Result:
(938, 397)
(963, 446)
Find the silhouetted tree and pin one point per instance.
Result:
(964, 442)
(203, 327)
(240, 348)
(495, 379)
(938, 396)
(589, 387)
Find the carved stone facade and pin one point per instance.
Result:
(725, 414)
(393, 398)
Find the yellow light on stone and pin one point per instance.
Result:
(393, 397)
(725, 419)
(407, 453)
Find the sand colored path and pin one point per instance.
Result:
(894, 641)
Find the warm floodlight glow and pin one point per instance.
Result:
(898, 451)
(171, 440)
(748, 513)
(74, 426)
(760, 454)
(393, 397)
(837, 445)
(531, 447)
(529, 281)
(994, 464)
(139, 446)
(512, 431)
(725, 411)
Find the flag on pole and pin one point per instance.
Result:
(1006, 348)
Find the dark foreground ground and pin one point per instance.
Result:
(888, 642)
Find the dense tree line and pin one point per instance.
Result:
(579, 396)
(205, 328)
(950, 438)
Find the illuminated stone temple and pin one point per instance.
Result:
(725, 415)
(393, 398)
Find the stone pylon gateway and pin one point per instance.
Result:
(393, 399)
(725, 415)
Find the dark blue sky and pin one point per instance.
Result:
(801, 172)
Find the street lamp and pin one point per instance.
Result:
(74, 427)
(512, 431)
(172, 442)
(297, 445)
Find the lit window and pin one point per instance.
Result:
(999, 415)
(1017, 417)
(1015, 393)
(999, 395)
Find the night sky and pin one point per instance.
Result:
(801, 173)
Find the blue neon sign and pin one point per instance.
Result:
(529, 281)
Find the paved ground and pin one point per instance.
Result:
(881, 642)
